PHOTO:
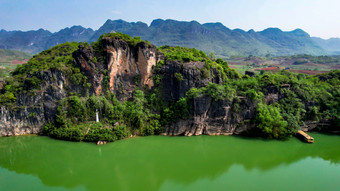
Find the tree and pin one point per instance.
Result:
(212, 56)
(270, 122)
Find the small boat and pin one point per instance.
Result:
(305, 136)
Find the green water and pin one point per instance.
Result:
(170, 163)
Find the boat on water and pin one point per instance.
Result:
(305, 136)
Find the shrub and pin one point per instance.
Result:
(178, 77)
(269, 120)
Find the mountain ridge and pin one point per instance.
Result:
(209, 37)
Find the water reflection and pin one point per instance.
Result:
(150, 162)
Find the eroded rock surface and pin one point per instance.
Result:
(125, 67)
(32, 112)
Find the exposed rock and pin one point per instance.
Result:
(121, 68)
(191, 72)
(213, 118)
(208, 117)
(32, 112)
(21, 121)
(127, 66)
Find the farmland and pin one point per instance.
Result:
(298, 63)
(9, 59)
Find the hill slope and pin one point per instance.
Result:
(331, 45)
(209, 37)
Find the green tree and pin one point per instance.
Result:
(270, 122)
(212, 56)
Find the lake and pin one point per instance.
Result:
(159, 163)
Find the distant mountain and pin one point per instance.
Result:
(75, 33)
(36, 41)
(215, 37)
(331, 45)
(30, 41)
(209, 37)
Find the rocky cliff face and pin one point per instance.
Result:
(34, 110)
(211, 117)
(125, 67)
(192, 78)
(208, 117)
(122, 69)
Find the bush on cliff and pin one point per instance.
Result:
(28, 78)
(117, 120)
(183, 54)
(269, 120)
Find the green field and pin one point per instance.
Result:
(6, 57)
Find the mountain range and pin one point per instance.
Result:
(209, 37)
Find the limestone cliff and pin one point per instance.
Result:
(32, 112)
(207, 116)
(126, 67)
(122, 69)
(122, 66)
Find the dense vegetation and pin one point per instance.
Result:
(75, 118)
(301, 97)
(304, 98)
(127, 38)
(183, 54)
(26, 78)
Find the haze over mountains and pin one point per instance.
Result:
(209, 37)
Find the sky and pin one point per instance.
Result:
(320, 18)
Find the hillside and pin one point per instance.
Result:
(36, 41)
(119, 86)
(9, 59)
(331, 45)
(208, 37)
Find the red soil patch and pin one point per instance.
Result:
(19, 61)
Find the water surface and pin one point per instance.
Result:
(159, 163)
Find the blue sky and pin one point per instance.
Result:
(317, 17)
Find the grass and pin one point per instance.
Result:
(8, 69)
(6, 57)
